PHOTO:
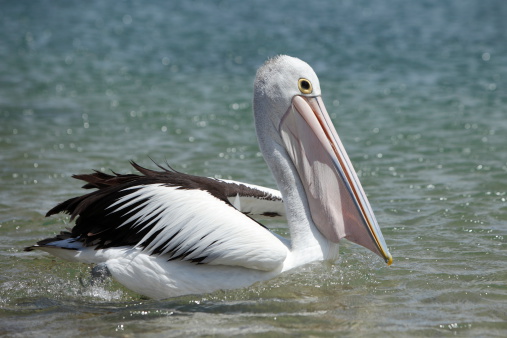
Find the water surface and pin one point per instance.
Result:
(417, 92)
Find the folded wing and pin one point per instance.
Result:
(175, 215)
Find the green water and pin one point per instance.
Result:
(418, 94)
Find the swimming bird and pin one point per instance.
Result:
(164, 233)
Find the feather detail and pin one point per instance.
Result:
(172, 214)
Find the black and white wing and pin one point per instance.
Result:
(254, 200)
(175, 215)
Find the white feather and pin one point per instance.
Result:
(271, 203)
(199, 223)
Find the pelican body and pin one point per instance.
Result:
(165, 233)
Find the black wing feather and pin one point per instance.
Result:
(96, 226)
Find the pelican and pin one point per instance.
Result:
(164, 233)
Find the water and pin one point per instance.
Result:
(418, 95)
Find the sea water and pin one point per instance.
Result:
(418, 95)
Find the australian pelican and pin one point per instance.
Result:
(164, 233)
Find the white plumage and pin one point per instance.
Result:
(196, 223)
(166, 234)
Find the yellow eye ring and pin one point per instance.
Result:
(305, 86)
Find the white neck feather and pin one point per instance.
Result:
(307, 243)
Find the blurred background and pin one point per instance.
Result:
(417, 92)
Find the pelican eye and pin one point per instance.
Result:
(305, 86)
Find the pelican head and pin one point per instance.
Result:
(297, 138)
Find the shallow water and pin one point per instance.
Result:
(417, 93)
